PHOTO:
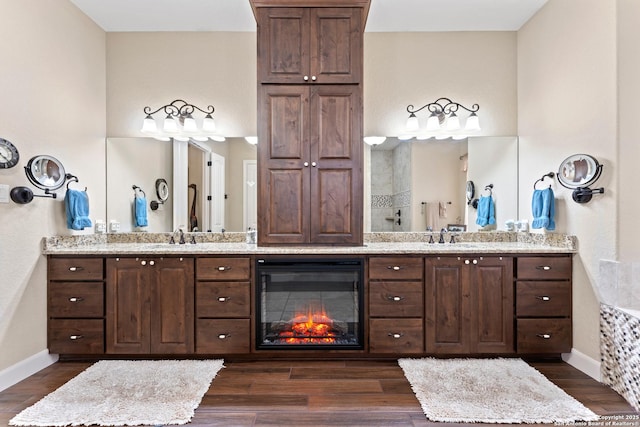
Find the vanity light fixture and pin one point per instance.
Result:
(180, 124)
(443, 121)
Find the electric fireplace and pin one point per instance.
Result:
(309, 304)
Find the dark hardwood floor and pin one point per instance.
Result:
(315, 393)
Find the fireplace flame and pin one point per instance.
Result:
(312, 327)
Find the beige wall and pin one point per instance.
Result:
(52, 82)
(567, 105)
(628, 17)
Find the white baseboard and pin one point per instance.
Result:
(583, 363)
(29, 366)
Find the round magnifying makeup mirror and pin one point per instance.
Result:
(45, 172)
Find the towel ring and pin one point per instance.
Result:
(73, 178)
(489, 188)
(135, 187)
(549, 175)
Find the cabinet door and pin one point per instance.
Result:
(283, 45)
(172, 301)
(336, 164)
(492, 315)
(336, 45)
(128, 297)
(447, 306)
(283, 165)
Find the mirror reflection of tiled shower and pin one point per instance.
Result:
(391, 189)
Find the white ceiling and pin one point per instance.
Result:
(236, 15)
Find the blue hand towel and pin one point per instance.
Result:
(486, 211)
(140, 211)
(76, 204)
(543, 209)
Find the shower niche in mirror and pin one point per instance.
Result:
(185, 167)
(416, 185)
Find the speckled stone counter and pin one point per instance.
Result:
(375, 243)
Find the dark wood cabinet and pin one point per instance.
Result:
(310, 153)
(396, 305)
(75, 305)
(310, 165)
(223, 305)
(149, 303)
(543, 304)
(309, 45)
(469, 305)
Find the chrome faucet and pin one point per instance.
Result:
(172, 240)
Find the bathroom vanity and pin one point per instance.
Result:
(410, 298)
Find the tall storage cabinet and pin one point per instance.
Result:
(310, 150)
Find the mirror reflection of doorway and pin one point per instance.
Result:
(207, 171)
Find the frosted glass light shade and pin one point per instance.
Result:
(412, 123)
(149, 124)
(190, 124)
(433, 122)
(473, 123)
(453, 122)
(208, 124)
(170, 125)
(374, 140)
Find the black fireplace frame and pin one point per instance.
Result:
(308, 264)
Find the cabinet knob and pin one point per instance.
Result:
(223, 336)
(395, 335)
(544, 336)
(75, 337)
(224, 268)
(76, 268)
(314, 164)
(466, 261)
(395, 298)
(543, 298)
(544, 267)
(306, 164)
(313, 78)
(152, 262)
(75, 299)
(223, 299)
(306, 78)
(475, 261)
(143, 262)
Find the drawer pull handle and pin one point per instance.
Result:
(544, 336)
(223, 336)
(544, 298)
(544, 267)
(223, 299)
(394, 267)
(224, 268)
(75, 337)
(395, 298)
(395, 335)
(76, 299)
(76, 268)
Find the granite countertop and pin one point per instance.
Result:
(375, 243)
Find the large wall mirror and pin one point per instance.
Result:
(409, 185)
(416, 185)
(221, 178)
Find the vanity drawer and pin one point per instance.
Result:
(543, 299)
(76, 299)
(223, 336)
(223, 269)
(544, 268)
(395, 268)
(76, 268)
(396, 336)
(544, 335)
(223, 299)
(76, 336)
(396, 299)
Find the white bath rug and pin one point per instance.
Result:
(126, 393)
(489, 391)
